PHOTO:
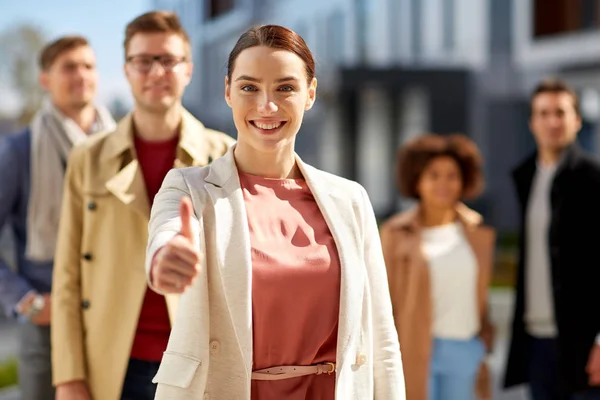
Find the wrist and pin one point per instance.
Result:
(23, 304)
(36, 303)
(153, 265)
(74, 382)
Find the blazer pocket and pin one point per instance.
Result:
(176, 370)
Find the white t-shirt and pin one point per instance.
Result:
(453, 271)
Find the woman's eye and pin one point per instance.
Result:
(286, 88)
(248, 88)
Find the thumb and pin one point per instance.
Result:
(185, 212)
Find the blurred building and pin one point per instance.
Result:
(392, 69)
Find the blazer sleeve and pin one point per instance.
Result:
(165, 221)
(13, 287)
(68, 360)
(388, 245)
(387, 363)
(490, 243)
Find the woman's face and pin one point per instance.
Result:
(441, 183)
(268, 95)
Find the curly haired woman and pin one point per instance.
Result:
(438, 257)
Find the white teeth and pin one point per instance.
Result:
(267, 126)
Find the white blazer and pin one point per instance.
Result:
(209, 355)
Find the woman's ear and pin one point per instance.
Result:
(312, 94)
(227, 91)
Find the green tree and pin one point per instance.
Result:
(20, 47)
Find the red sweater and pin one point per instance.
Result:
(154, 327)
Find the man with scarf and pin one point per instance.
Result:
(32, 170)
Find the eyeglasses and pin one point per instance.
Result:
(143, 63)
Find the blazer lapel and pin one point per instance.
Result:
(338, 212)
(232, 241)
(562, 178)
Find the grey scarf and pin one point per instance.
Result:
(53, 135)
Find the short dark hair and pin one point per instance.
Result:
(277, 37)
(155, 22)
(554, 85)
(56, 48)
(415, 156)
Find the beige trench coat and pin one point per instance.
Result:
(99, 281)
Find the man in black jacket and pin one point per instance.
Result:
(555, 342)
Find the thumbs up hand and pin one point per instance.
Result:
(176, 264)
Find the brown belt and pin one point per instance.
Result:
(292, 371)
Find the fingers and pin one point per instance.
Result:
(593, 366)
(185, 212)
(173, 263)
(594, 379)
(171, 289)
(176, 266)
(182, 252)
(172, 282)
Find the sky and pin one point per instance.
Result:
(102, 22)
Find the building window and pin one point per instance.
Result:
(362, 39)
(448, 24)
(555, 17)
(335, 36)
(589, 14)
(216, 8)
(415, 31)
(501, 26)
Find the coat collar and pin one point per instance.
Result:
(409, 220)
(118, 155)
(569, 160)
(523, 175)
(191, 149)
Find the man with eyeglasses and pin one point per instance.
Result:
(108, 329)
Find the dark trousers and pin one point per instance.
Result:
(138, 380)
(543, 374)
(35, 367)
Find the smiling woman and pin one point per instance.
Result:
(270, 83)
(297, 304)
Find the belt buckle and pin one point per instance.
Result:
(332, 367)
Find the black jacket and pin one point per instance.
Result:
(574, 245)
